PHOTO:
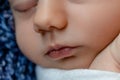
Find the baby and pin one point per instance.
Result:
(69, 34)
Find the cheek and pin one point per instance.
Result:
(95, 16)
(28, 41)
(97, 24)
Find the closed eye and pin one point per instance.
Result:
(25, 5)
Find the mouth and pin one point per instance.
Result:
(59, 52)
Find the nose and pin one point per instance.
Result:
(50, 15)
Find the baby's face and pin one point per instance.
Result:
(65, 33)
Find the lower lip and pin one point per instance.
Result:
(63, 53)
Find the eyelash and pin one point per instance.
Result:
(21, 11)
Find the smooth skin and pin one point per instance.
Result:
(92, 25)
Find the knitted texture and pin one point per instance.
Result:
(13, 64)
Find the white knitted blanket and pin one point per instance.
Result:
(76, 74)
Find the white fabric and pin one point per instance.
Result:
(76, 74)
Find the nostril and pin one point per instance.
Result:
(38, 30)
(41, 31)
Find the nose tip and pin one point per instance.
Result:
(50, 18)
(50, 22)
